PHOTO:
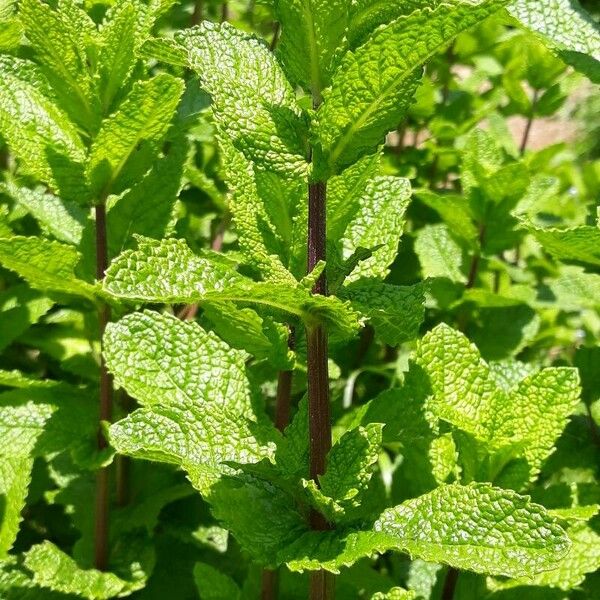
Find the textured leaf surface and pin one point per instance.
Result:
(439, 254)
(244, 329)
(36, 420)
(580, 244)
(15, 474)
(367, 15)
(379, 223)
(344, 193)
(465, 393)
(395, 312)
(55, 570)
(62, 219)
(130, 139)
(348, 472)
(168, 272)
(476, 527)
(536, 413)
(583, 558)
(261, 537)
(374, 84)
(121, 37)
(38, 133)
(46, 265)
(147, 209)
(253, 224)
(197, 409)
(312, 31)
(502, 530)
(59, 39)
(253, 103)
(567, 28)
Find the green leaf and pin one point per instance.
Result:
(146, 209)
(344, 194)
(575, 289)
(10, 33)
(46, 265)
(15, 474)
(62, 219)
(131, 138)
(455, 210)
(19, 380)
(379, 223)
(53, 569)
(253, 103)
(536, 413)
(367, 15)
(38, 133)
(439, 254)
(396, 593)
(212, 584)
(258, 237)
(260, 537)
(373, 86)
(59, 39)
(348, 471)
(464, 392)
(503, 331)
(476, 527)
(168, 272)
(583, 558)
(395, 312)
(20, 307)
(566, 28)
(312, 33)
(41, 420)
(120, 39)
(197, 410)
(581, 244)
(244, 329)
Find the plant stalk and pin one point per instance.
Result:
(283, 399)
(269, 585)
(450, 583)
(319, 420)
(198, 14)
(474, 269)
(275, 38)
(102, 480)
(529, 123)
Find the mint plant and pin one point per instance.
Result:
(256, 345)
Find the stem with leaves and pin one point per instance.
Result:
(102, 482)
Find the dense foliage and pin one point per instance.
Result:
(299, 298)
